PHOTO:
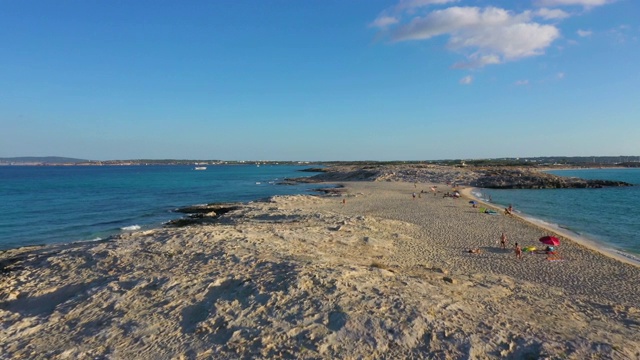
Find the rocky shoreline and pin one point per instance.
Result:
(492, 178)
(377, 276)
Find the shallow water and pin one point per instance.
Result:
(608, 216)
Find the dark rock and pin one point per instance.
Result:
(289, 182)
(201, 214)
(449, 279)
(314, 170)
(183, 222)
(218, 208)
(528, 179)
(335, 191)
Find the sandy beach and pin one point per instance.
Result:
(372, 273)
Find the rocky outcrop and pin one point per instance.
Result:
(495, 178)
(317, 170)
(340, 174)
(201, 214)
(529, 179)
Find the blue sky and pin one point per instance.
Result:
(319, 80)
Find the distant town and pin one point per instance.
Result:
(581, 161)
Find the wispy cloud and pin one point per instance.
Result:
(384, 21)
(411, 4)
(583, 3)
(392, 15)
(522, 82)
(560, 75)
(584, 33)
(621, 35)
(552, 14)
(467, 80)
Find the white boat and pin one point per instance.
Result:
(200, 168)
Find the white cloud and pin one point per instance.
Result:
(522, 82)
(560, 75)
(584, 33)
(484, 35)
(467, 80)
(552, 14)
(488, 36)
(584, 3)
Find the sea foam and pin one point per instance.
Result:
(131, 228)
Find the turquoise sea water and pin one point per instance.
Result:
(608, 216)
(51, 204)
(40, 205)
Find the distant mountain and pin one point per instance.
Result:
(41, 160)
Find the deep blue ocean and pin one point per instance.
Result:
(609, 217)
(52, 204)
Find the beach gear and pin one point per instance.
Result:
(487, 211)
(529, 248)
(550, 240)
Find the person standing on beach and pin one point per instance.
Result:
(414, 196)
(503, 240)
(518, 251)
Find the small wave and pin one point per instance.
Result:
(633, 257)
(480, 195)
(131, 228)
(87, 241)
(541, 222)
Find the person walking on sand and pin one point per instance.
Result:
(414, 196)
(518, 251)
(503, 240)
(344, 201)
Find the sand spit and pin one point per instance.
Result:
(381, 276)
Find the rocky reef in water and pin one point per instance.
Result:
(202, 214)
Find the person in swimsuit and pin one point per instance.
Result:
(518, 251)
(509, 210)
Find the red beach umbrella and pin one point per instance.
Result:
(550, 240)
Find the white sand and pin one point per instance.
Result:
(383, 276)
